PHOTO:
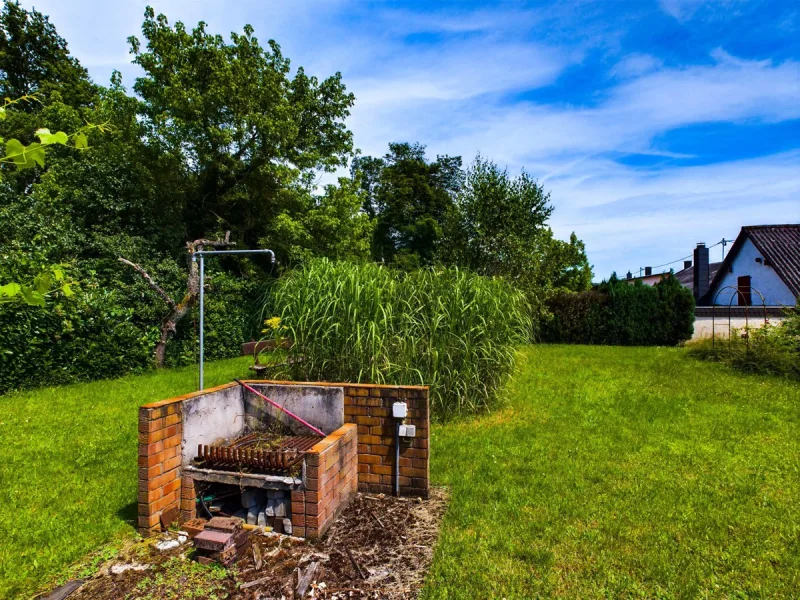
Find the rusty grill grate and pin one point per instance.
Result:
(240, 454)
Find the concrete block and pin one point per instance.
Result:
(252, 497)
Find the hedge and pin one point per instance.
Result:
(621, 314)
(108, 329)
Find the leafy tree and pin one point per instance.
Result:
(410, 199)
(330, 225)
(499, 228)
(35, 59)
(244, 131)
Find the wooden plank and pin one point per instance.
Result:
(305, 580)
(65, 590)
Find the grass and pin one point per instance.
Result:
(68, 469)
(623, 473)
(453, 330)
(608, 473)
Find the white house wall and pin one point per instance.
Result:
(762, 278)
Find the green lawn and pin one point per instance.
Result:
(623, 472)
(611, 472)
(68, 468)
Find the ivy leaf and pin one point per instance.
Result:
(47, 138)
(81, 141)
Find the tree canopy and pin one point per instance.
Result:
(409, 198)
(248, 135)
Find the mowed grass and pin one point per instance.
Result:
(610, 472)
(623, 473)
(68, 468)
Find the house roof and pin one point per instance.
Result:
(686, 276)
(778, 244)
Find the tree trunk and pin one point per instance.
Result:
(178, 310)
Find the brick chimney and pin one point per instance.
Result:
(687, 264)
(648, 271)
(701, 272)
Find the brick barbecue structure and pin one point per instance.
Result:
(358, 452)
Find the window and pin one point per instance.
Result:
(743, 285)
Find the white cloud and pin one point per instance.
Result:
(460, 88)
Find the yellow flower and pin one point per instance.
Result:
(273, 323)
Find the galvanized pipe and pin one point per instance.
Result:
(201, 254)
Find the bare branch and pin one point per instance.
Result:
(201, 243)
(153, 285)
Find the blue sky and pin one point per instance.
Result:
(654, 125)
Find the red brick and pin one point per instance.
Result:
(172, 463)
(172, 486)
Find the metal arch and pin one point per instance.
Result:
(746, 312)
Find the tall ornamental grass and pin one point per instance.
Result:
(447, 328)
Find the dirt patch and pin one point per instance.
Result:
(390, 541)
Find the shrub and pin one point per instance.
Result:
(618, 313)
(770, 350)
(447, 328)
(110, 326)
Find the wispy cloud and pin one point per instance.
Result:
(564, 90)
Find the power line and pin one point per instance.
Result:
(723, 241)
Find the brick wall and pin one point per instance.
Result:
(369, 435)
(370, 408)
(160, 435)
(331, 482)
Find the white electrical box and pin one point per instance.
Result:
(408, 430)
(399, 410)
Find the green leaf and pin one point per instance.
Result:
(81, 141)
(43, 282)
(58, 273)
(2, 113)
(9, 290)
(47, 138)
(31, 297)
(67, 290)
(24, 157)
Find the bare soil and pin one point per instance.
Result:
(390, 539)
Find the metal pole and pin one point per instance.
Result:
(202, 312)
(201, 254)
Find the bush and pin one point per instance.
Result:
(769, 350)
(110, 327)
(447, 328)
(620, 314)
